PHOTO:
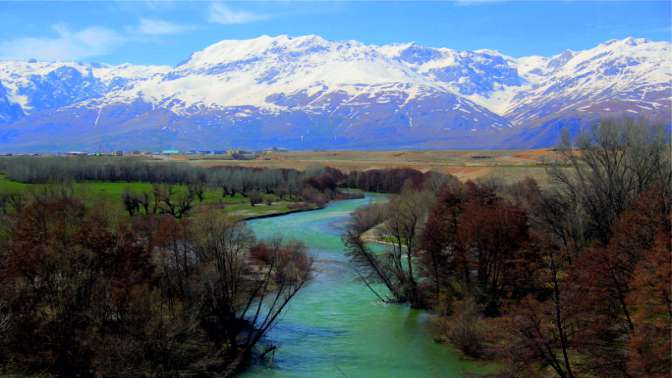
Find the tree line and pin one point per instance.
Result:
(316, 184)
(232, 180)
(572, 281)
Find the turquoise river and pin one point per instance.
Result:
(335, 327)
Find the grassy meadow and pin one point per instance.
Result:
(109, 194)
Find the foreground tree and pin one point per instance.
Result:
(650, 346)
(244, 285)
(70, 286)
(605, 276)
(598, 225)
(543, 326)
(154, 296)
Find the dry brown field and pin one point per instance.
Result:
(466, 165)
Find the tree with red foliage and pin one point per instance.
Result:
(598, 224)
(610, 303)
(492, 233)
(604, 274)
(544, 325)
(441, 251)
(474, 232)
(650, 346)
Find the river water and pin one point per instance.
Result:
(335, 327)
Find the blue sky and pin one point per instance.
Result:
(167, 32)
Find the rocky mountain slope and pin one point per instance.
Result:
(307, 92)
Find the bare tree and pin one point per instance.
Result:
(605, 170)
(246, 285)
(369, 264)
(402, 220)
(407, 214)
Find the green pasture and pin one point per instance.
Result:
(110, 193)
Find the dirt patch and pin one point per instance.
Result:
(468, 173)
(534, 155)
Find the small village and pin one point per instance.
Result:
(233, 154)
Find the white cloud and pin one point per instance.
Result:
(65, 45)
(223, 14)
(155, 27)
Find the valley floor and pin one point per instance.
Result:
(110, 194)
(509, 165)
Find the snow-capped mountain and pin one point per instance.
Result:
(36, 86)
(308, 92)
(635, 73)
(528, 89)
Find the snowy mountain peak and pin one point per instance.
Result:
(239, 50)
(276, 81)
(629, 41)
(491, 52)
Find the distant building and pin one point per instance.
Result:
(243, 155)
(76, 153)
(170, 152)
(276, 149)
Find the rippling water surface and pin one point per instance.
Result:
(335, 327)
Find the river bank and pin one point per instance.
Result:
(342, 196)
(335, 327)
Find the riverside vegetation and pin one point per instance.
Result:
(571, 281)
(126, 267)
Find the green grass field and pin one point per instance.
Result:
(110, 193)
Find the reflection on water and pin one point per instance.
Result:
(335, 327)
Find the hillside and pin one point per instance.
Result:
(310, 93)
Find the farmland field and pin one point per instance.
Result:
(510, 165)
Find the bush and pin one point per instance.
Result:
(255, 198)
(463, 328)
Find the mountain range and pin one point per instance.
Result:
(310, 93)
